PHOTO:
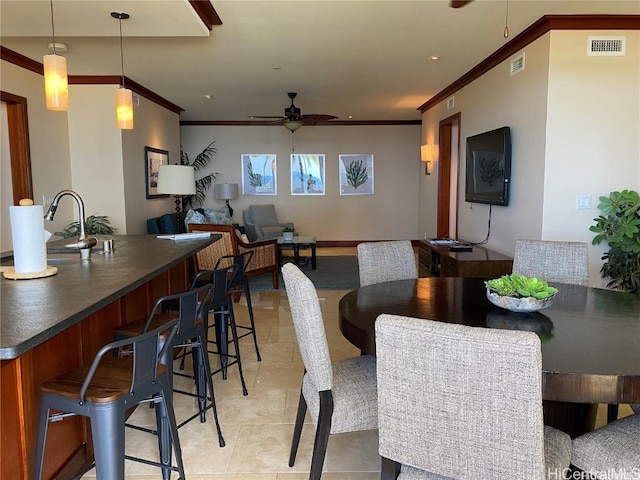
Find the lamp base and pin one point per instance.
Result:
(229, 208)
(179, 228)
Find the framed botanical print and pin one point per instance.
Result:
(356, 174)
(259, 174)
(307, 174)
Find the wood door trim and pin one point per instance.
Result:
(444, 173)
(18, 128)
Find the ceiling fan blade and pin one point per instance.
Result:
(280, 117)
(312, 118)
(459, 3)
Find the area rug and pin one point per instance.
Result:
(332, 273)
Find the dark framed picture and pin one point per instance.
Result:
(153, 158)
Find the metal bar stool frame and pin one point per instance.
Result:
(89, 391)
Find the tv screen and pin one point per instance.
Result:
(489, 167)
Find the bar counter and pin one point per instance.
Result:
(55, 324)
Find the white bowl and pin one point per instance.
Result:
(513, 304)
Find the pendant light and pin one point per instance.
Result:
(124, 96)
(56, 84)
(505, 32)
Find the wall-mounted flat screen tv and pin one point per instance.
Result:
(489, 167)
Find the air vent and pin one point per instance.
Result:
(450, 103)
(516, 64)
(606, 46)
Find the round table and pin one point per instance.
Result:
(590, 337)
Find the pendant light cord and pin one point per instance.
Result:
(121, 50)
(53, 29)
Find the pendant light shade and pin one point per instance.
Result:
(56, 86)
(124, 96)
(124, 108)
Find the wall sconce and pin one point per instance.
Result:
(56, 84)
(428, 154)
(124, 96)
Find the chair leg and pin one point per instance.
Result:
(200, 376)
(43, 427)
(247, 294)
(322, 434)
(107, 433)
(206, 367)
(164, 435)
(171, 431)
(612, 412)
(297, 429)
(234, 334)
(389, 469)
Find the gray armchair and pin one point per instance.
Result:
(261, 223)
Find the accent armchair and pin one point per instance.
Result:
(265, 253)
(261, 223)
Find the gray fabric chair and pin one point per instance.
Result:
(614, 447)
(553, 261)
(261, 223)
(386, 261)
(459, 402)
(342, 396)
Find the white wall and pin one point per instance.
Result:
(390, 213)
(574, 122)
(593, 134)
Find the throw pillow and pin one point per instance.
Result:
(217, 218)
(193, 216)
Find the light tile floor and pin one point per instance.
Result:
(258, 428)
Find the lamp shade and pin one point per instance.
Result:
(56, 86)
(124, 108)
(292, 125)
(225, 191)
(176, 180)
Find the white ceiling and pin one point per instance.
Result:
(364, 58)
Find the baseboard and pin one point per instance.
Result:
(353, 243)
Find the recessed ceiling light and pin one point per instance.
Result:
(434, 57)
(208, 97)
(277, 68)
(350, 117)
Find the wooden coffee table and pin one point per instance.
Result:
(298, 243)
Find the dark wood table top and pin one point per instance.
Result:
(590, 337)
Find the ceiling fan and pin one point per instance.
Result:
(293, 118)
(459, 3)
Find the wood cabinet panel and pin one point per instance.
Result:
(439, 261)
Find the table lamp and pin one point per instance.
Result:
(226, 191)
(177, 180)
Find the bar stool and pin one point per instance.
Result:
(221, 305)
(238, 283)
(191, 333)
(105, 390)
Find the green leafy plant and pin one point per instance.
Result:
(619, 226)
(287, 229)
(519, 286)
(356, 174)
(202, 160)
(93, 225)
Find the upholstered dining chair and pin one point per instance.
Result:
(459, 402)
(341, 397)
(553, 261)
(613, 448)
(386, 261)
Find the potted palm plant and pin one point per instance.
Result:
(619, 226)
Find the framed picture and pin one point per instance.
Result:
(307, 174)
(259, 174)
(356, 174)
(153, 158)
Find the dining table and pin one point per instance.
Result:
(590, 337)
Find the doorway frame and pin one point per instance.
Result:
(19, 151)
(446, 128)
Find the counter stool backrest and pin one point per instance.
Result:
(553, 261)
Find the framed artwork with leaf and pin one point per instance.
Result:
(153, 158)
(259, 174)
(307, 174)
(356, 174)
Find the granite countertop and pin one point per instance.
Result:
(36, 310)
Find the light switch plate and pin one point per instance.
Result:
(583, 202)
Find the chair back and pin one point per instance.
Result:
(386, 261)
(190, 305)
(146, 351)
(309, 326)
(457, 401)
(241, 262)
(553, 261)
(207, 258)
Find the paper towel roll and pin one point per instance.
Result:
(27, 233)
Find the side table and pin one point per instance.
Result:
(298, 243)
